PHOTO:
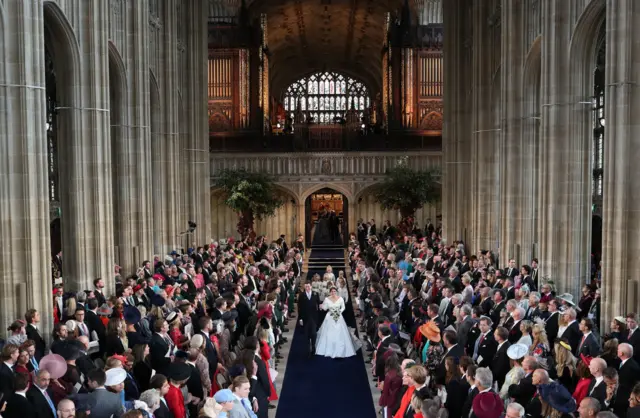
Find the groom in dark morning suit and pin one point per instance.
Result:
(308, 305)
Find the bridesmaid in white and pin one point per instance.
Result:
(334, 339)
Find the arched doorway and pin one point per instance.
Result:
(327, 218)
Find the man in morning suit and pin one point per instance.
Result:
(18, 406)
(33, 319)
(500, 365)
(308, 304)
(386, 339)
(588, 344)
(39, 396)
(160, 353)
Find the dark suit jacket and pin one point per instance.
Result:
(629, 375)
(523, 392)
(515, 333)
(494, 313)
(212, 355)
(18, 406)
(466, 408)
(34, 334)
(500, 365)
(308, 308)
(380, 356)
(600, 391)
(487, 350)
(635, 342)
(6, 382)
(260, 387)
(590, 347)
(463, 329)
(40, 404)
(573, 335)
(551, 326)
(157, 351)
(163, 411)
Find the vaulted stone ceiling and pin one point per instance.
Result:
(311, 35)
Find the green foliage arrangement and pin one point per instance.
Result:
(408, 190)
(251, 195)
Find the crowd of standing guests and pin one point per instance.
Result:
(453, 334)
(194, 333)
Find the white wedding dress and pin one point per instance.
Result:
(334, 339)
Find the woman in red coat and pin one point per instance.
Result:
(414, 377)
(265, 355)
(179, 373)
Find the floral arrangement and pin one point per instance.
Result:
(335, 313)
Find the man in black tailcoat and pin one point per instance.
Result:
(308, 305)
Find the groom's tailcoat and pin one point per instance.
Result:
(308, 313)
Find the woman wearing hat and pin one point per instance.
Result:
(556, 401)
(197, 343)
(619, 330)
(516, 354)
(564, 368)
(432, 351)
(179, 373)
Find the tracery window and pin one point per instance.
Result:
(52, 142)
(597, 156)
(326, 96)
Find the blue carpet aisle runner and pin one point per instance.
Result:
(321, 387)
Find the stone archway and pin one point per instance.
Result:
(531, 133)
(63, 98)
(326, 214)
(120, 170)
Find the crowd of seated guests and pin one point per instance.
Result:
(189, 334)
(453, 334)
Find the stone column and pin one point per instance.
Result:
(621, 243)
(198, 129)
(24, 207)
(484, 143)
(456, 133)
(87, 225)
(132, 181)
(511, 149)
(555, 199)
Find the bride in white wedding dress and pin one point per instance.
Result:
(334, 339)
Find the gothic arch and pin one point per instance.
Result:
(117, 76)
(531, 89)
(119, 173)
(582, 60)
(344, 189)
(61, 42)
(66, 50)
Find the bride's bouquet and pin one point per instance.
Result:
(335, 313)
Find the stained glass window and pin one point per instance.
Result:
(326, 96)
(597, 156)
